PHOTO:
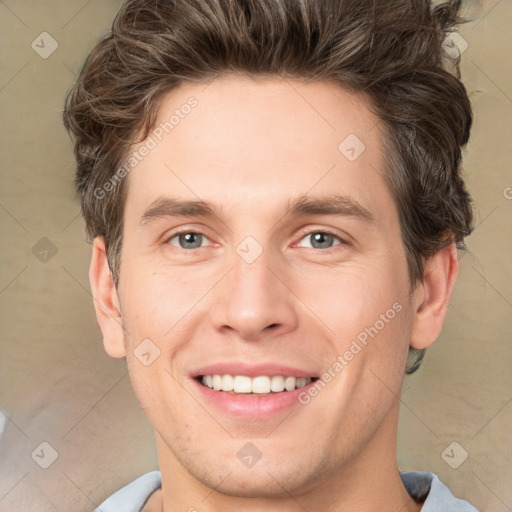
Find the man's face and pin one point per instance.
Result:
(258, 284)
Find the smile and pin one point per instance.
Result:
(260, 385)
(253, 399)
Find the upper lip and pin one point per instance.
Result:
(252, 370)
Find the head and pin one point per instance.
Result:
(265, 94)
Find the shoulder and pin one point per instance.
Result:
(132, 497)
(425, 486)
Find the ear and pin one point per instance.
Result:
(106, 301)
(432, 296)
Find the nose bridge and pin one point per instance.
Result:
(252, 298)
(252, 281)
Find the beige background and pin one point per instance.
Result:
(58, 386)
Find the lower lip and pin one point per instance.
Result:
(253, 406)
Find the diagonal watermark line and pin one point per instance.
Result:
(76, 281)
(75, 15)
(497, 497)
(492, 81)
(493, 287)
(301, 300)
(371, 130)
(190, 309)
(309, 103)
(219, 74)
(198, 402)
(410, 500)
(14, 486)
(199, 199)
(14, 218)
(486, 14)
(15, 75)
(13, 279)
(279, 424)
(70, 69)
(497, 414)
(14, 14)
(11, 421)
(94, 406)
(70, 222)
(80, 489)
(488, 215)
(307, 192)
(97, 302)
(398, 397)
(285, 490)
(216, 487)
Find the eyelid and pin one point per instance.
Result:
(305, 232)
(179, 231)
(327, 231)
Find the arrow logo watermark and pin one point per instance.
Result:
(352, 147)
(44, 45)
(454, 45)
(249, 249)
(249, 455)
(45, 455)
(44, 250)
(454, 455)
(146, 352)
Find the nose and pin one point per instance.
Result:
(254, 300)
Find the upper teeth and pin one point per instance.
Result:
(262, 384)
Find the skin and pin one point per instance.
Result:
(249, 146)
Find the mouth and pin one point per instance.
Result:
(249, 392)
(261, 385)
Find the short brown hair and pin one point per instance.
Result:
(390, 50)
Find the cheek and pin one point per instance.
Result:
(367, 312)
(155, 301)
(354, 295)
(150, 384)
(373, 359)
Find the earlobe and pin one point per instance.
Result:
(106, 301)
(432, 297)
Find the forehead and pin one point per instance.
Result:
(241, 141)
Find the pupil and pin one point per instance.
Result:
(188, 238)
(322, 238)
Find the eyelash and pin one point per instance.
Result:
(303, 235)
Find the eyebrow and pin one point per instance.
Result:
(304, 205)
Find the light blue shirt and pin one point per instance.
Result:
(421, 485)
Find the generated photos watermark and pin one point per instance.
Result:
(356, 346)
(150, 143)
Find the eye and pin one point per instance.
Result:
(187, 240)
(321, 240)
